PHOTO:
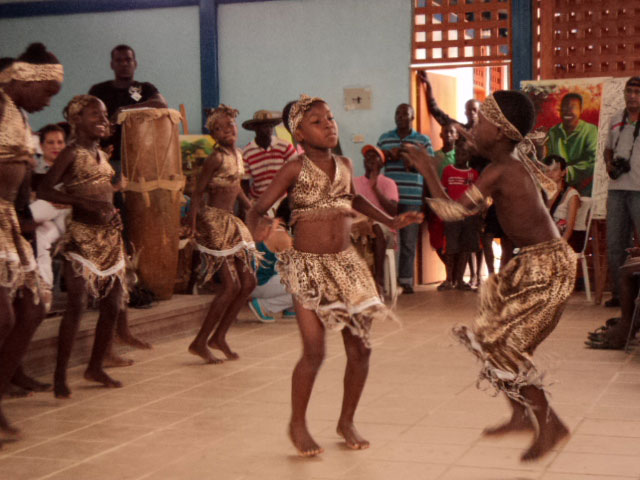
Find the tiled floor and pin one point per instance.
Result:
(178, 419)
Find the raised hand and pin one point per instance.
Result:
(416, 157)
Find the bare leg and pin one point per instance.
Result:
(551, 430)
(16, 344)
(472, 268)
(124, 333)
(110, 307)
(487, 246)
(304, 376)
(355, 377)
(520, 421)
(219, 338)
(76, 304)
(229, 291)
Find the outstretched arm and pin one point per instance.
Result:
(258, 222)
(440, 117)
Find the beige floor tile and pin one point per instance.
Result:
(596, 464)
(491, 456)
(469, 473)
(574, 476)
(26, 468)
(61, 449)
(614, 428)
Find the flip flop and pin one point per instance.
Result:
(604, 344)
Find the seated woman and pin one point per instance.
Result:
(564, 205)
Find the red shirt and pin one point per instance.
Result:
(456, 180)
(262, 165)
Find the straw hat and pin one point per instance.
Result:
(261, 117)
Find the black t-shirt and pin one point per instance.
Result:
(115, 98)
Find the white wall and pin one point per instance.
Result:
(166, 42)
(270, 52)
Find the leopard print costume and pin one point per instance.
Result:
(338, 287)
(519, 308)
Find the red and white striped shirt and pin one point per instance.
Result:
(262, 165)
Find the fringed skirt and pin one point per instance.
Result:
(96, 253)
(18, 268)
(519, 308)
(338, 287)
(221, 237)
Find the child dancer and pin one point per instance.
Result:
(522, 304)
(331, 284)
(92, 246)
(26, 85)
(224, 242)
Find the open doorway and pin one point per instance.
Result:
(451, 88)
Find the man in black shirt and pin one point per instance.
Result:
(124, 92)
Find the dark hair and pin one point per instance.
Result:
(122, 48)
(52, 127)
(551, 159)
(66, 128)
(633, 81)
(285, 114)
(572, 96)
(517, 108)
(6, 62)
(38, 54)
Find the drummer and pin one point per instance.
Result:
(124, 92)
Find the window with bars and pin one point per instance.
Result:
(586, 38)
(461, 32)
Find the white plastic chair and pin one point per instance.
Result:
(390, 281)
(583, 224)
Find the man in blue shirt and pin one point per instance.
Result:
(410, 186)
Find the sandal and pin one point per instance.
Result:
(605, 344)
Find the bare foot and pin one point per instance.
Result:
(302, 440)
(552, 433)
(129, 339)
(517, 423)
(7, 428)
(23, 380)
(351, 436)
(101, 377)
(224, 348)
(15, 391)
(204, 353)
(114, 361)
(61, 389)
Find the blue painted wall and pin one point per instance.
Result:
(270, 52)
(166, 41)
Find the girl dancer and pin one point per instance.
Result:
(224, 242)
(331, 284)
(92, 245)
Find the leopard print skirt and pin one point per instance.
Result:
(221, 237)
(519, 308)
(338, 287)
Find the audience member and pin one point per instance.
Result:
(622, 158)
(266, 154)
(613, 335)
(50, 218)
(564, 205)
(410, 186)
(382, 192)
(576, 141)
(462, 235)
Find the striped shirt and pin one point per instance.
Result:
(262, 165)
(410, 183)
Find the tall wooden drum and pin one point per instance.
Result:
(152, 169)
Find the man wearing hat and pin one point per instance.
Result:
(265, 155)
(622, 158)
(382, 192)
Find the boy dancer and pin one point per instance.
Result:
(522, 304)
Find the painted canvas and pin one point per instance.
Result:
(568, 112)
